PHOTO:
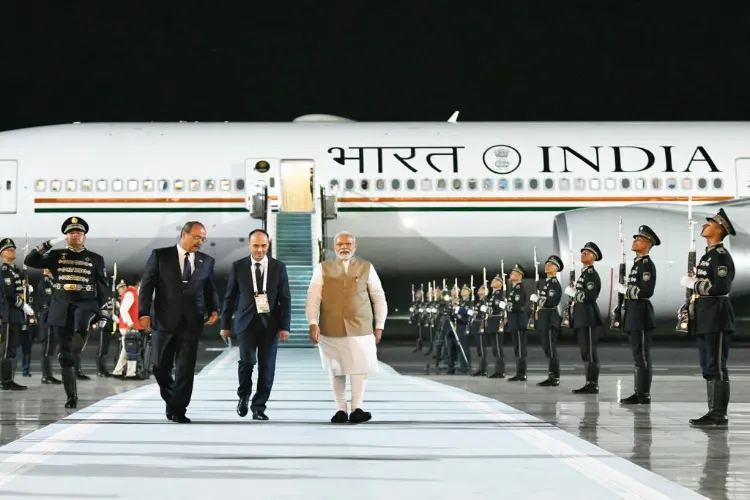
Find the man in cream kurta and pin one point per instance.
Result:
(340, 301)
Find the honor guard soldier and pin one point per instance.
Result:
(714, 316)
(638, 318)
(587, 319)
(48, 337)
(80, 295)
(518, 320)
(416, 316)
(14, 312)
(458, 341)
(496, 325)
(443, 317)
(478, 330)
(548, 319)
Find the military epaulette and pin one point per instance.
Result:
(5, 266)
(721, 250)
(590, 270)
(553, 280)
(645, 260)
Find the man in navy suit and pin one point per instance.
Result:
(258, 297)
(179, 282)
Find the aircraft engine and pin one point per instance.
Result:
(670, 223)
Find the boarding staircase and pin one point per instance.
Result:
(293, 247)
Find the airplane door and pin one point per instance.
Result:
(8, 186)
(297, 185)
(742, 167)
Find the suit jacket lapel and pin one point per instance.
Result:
(198, 265)
(174, 262)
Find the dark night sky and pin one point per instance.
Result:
(62, 64)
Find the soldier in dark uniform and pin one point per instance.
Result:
(518, 321)
(587, 319)
(14, 312)
(28, 330)
(43, 297)
(714, 316)
(80, 295)
(548, 319)
(496, 325)
(416, 318)
(457, 348)
(478, 330)
(638, 318)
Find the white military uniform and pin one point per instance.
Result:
(125, 304)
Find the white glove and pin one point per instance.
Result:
(501, 305)
(533, 297)
(688, 282)
(570, 291)
(455, 310)
(28, 310)
(470, 312)
(622, 288)
(31, 289)
(483, 309)
(57, 240)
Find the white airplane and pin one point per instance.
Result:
(424, 199)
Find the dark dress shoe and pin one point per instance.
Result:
(181, 419)
(242, 407)
(259, 415)
(589, 388)
(340, 417)
(358, 416)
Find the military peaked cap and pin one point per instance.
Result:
(591, 247)
(649, 234)
(73, 223)
(517, 268)
(723, 220)
(556, 261)
(6, 244)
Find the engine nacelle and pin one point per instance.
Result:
(600, 225)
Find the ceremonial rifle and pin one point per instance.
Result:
(504, 317)
(568, 311)
(618, 312)
(31, 320)
(113, 301)
(685, 315)
(486, 312)
(535, 306)
(412, 309)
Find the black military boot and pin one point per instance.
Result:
(553, 374)
(520, 375)
(70, 385)
(419, 344)
(101, 368)
(641, 387)
(592, 380)
(6, 371)
(78, 371)
(482, 370)
(47, 377)
(499, 369)
(718, 399)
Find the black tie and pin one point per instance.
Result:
(258, 277)
(186, 269)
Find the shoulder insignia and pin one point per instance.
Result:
(721, 250)
(645, 260)
(7, 281)
(646, 276)
(551, 293)
(722, 271)
(48, 291)
(590, 270)
(590, 285)
(5, 266)
(518, 297)
(554, 280)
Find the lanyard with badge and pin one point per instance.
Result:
(261, 299)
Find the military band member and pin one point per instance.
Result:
(496, 325)
(14, 313)
(80, 296)
(548, 319)
(47, 335)
(714, 316)
(518, 320)
(638, 318)
(461, 316)
(587, 319)
(478, 330)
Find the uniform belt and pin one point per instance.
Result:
(72, 287)
(709, 296)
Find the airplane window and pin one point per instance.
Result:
(163, 185)
(625, 183)
(502, 184)
(533, 184)
(580, 184)
(195, 185)
(364, 184)
(101, 185)
(702, 183)
(86, 185)
(472, 184)
(179, 185)
(349, 185)
(687, 183)
(640, 183)
(457, 184)
(549, 183)
(656, 183)
(717, 183)
(272, 182)
(70, 185)
(517, 183)
(441, 184)
(596, 184)
(210, 185)
(239, 185)
(487, 185)
(610, 184)
(40, 185)
(333, 185)
(55, 185)
(564, 184)
(380, 184)
(148, 185)
(117, 185)
(671, 183)
(395, 184)
(426, 185)
(411, 184)
(225, 185)
(132, 184)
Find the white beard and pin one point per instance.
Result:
(345, 257)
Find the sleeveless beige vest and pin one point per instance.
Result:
(345, 307)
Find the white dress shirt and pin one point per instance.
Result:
(263, 267)
(375, 288)
(181, 253)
